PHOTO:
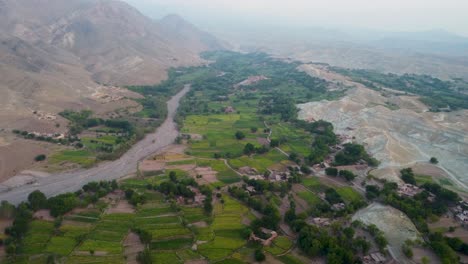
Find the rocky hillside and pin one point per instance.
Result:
(53, 53)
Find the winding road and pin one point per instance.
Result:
(125, 165)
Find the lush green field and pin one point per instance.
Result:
(314, 184)
(298, 140)
(225, 174)
(81, 157)
(259, 162)
(311, 198)
(218, 132)
(349, 194)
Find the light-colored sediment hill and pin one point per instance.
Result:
(396, 226)
(399, 138)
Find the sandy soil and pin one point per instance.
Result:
(132, 245)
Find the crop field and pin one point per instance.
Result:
(226, 226)
(81, 157)
(218, 132)
(259, 162)
(298, 140)
(314, 184)
(311, 198)
(349, 194)
(225, 174)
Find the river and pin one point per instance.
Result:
(72, 181)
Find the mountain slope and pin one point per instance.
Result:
(53, 53)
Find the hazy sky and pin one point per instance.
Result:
(392, 15)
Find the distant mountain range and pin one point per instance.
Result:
(53, 53)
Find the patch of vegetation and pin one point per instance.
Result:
(435, 93)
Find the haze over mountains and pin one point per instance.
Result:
(53, 53)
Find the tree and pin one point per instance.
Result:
(37, 200)
(240, 135)
(249, 149)
(372, 191)
(348, 175)
(144, 257)
(331, 171)
(253, 129)
(259, 256)
(40, 157)
(407, 176)
(274, 143)
(173, 176)
(433, 160)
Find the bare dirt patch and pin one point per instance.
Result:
(419, 253)
(19, 155)
(151, 165)
(429, 170)
(132, 246)
(207, 173)
(200, 224)
(184, 167)
(4, 223)
(197, 261)
(43, 215)
(122, 206)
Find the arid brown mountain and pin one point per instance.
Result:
(54, 53)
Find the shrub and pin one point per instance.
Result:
(331, 171)
(40, 157)
(240, 135)
(259, 256)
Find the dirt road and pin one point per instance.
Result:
(72, 181)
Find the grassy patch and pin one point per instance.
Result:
(290, 259)
(61, 245)
(311, 198)
(171, 244)
(349, 194)
(164, 257)
(96, 245)
(81, 157)
(314, 184)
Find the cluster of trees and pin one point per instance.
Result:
(177, 187)
(250, 149)
(348, 175)
(435, 93)
(28, 135)
(407, 175)
(278, 104)
(82, 120)
(324, 137)
(352, 154)
(337, 244)
(419, 208)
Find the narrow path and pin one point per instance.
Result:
(125, 165)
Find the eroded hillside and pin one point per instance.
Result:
(397, 129)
